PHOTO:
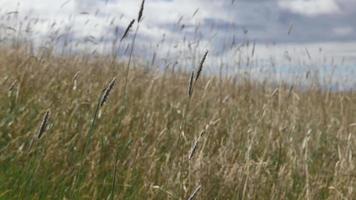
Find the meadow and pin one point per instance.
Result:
(85, 126)
(69, 130)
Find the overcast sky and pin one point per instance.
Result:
(282, 29)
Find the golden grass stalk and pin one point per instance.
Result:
(195, 193)
(13, 85)
(201, 134)
(193, 149)
(75, 80)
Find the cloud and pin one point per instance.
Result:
(311, 7)
(196, 25)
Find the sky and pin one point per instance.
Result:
(288, 32)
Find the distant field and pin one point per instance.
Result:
(86, 128)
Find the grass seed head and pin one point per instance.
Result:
(43, 126)
(190, 87)
(200, 69)
(140, 13)
(127, 30)
(107, 91)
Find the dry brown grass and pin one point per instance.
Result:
(236, 141)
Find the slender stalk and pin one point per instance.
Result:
(92, 125)
(114, 176)
(130, 60)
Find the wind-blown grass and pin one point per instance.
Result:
(236, 141)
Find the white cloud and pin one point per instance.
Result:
(318, 22)
(343, 31)
(310, 7)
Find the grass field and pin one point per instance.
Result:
(140, 136)
(90, 126)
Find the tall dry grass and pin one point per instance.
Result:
(259, 142)
(121, 132)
